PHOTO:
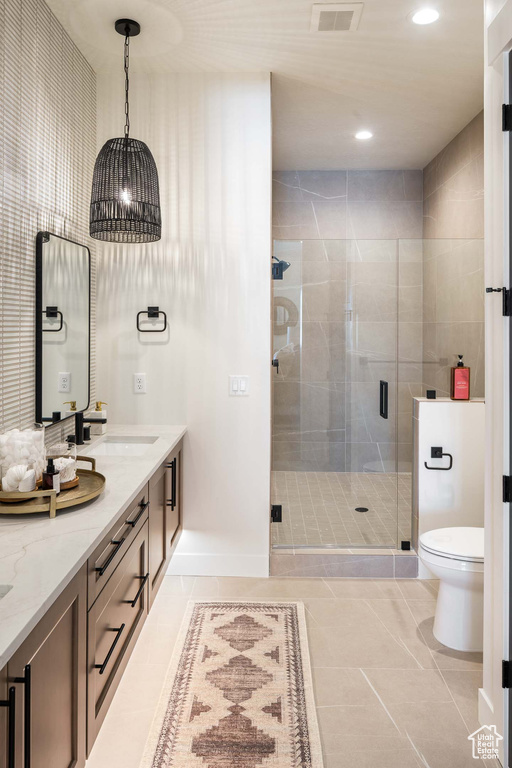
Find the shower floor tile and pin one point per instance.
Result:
(319, 509)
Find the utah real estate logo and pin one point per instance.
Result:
(485, 742)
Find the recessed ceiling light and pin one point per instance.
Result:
(425, 16)
(363, 135)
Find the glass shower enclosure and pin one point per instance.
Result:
(347, 356)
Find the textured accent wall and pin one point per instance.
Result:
(211, 139)
(453, 260)
(353, 239)
(47, 152)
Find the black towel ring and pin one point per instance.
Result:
(152, 312)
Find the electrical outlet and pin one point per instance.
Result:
(64, 382)
(139, 383)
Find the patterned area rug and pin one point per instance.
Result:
(238, 692)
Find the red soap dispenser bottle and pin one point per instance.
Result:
(460, 381)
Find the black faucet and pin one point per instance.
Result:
(80, 420)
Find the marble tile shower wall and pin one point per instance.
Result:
(348, 289)
(334, 205)
(453, 267)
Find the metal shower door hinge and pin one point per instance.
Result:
(506, 303)
(505, 674)
(506, 489)
(506, 117)
(276, 513)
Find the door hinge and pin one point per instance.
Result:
(506, 117)
(506, 489)
(276, 513)
(505, 674)
(506, 303)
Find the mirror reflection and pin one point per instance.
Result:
(62, 327)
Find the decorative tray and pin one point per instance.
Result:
(91, 484)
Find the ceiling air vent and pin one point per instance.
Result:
(336, 17)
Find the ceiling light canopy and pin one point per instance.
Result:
(125, 200)
(364, 135)
(425, 16)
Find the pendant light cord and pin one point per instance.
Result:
(126, 86)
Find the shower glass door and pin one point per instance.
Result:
(336, 469)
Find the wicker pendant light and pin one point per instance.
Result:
(125, 201)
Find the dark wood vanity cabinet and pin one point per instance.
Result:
(164, 517)
(66, 672)
(48, 673)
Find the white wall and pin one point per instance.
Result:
(492, 697)
(211, 138)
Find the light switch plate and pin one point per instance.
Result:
(64, 382)
(238, 386)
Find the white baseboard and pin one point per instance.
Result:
(218, 565)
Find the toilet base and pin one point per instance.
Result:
(458, 622)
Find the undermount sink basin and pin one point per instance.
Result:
(4, 589)
(123, 446)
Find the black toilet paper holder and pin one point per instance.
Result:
(437, 453)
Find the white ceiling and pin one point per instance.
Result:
(414, 87)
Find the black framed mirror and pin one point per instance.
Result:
(63, 326)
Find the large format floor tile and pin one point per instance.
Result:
(388, 694)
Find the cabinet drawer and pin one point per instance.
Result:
(107, 556)
(114, 623)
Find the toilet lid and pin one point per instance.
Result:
(458, 543)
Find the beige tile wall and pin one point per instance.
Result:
(351, 283)
(453, 263)
(340, 231)
(347, 204)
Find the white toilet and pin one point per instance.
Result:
(456, 557)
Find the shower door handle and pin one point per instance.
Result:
(384, 399)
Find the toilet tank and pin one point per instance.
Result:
(442, 499)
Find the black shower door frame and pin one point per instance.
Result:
(508, 558)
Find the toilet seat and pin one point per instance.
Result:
(462, 544)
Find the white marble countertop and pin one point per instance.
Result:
(40, 556)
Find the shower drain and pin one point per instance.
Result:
(361, 509)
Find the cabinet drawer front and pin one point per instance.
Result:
(114, 623)
(107, 556)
